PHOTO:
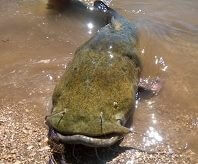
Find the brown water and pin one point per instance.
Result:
(36, 45)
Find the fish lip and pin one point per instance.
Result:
(103, 141)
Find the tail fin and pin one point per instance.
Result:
(114, 18)
(101, 6)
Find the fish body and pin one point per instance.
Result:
(96, 95)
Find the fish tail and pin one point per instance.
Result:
(113, 17)
(101, 6)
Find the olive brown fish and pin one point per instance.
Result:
(97, 93)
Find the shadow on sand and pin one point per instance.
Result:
(79, 154)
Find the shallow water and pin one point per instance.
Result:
(36, 44)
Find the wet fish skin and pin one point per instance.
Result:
(96, 95)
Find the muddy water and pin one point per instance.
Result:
(36, 45)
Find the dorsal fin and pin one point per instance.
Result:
(117, 25)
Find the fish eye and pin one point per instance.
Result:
(115, 104)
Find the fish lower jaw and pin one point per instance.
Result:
(103, 141)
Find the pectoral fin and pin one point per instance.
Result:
(148, 87)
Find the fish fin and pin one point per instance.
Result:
(117, 25)
(112, 14)
(149, 87)
(101, 6)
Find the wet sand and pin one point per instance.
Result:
(36, 45)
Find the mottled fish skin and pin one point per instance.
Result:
(96, 94)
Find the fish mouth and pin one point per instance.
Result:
(101, 141)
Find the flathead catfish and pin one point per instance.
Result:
(96, 95)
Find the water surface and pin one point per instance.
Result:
(36, 45)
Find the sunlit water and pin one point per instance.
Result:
(36, 45)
